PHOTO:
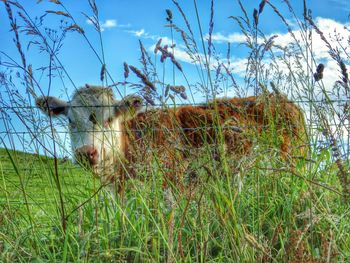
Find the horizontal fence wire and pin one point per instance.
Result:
(237, 128)
(233, 128)
(42, 131)
(346, 101)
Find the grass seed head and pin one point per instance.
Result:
(157, 46)
(344, 72)
(183, 95)
(126, 70)
(55, 2)
(74, 27)
(103, 72)
(319, 72)
(177, 89)
(143, 78)
(261, 6)
(169, 16)
(256, 17)
(167, 88)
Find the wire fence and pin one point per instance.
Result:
(43, 128)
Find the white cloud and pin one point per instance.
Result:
(238, 66)
(336, 34)
(142, 33)
(330, 29)
(108, 24)
(139, 33)
(231, 38)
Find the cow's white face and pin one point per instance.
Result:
(94, 128)
(95, 120)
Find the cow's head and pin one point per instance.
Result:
(95, 120)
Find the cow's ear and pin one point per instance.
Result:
(52, 105)
(128, 105)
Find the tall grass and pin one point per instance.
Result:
(259, 207)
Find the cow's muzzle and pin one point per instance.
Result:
(87, 155)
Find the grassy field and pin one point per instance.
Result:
(277, 216)
(55, 211)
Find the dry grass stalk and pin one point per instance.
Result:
(60, 13)
(15, 30)
(74, 27)
(143, 57)
(146, 61)
(30, 85)
(290, 31)
(211, 27)
(322, 36)
(343, 174)
(188, 25)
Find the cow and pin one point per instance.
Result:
(116, 139)
(113, 138)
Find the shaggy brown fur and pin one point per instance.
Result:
(170, 135)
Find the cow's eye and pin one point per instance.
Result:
(71, 123)
(93, 118)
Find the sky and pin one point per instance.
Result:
(125, 22)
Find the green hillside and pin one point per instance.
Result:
(28, 181)
(299, 215)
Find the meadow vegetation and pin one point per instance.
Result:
(293, 209)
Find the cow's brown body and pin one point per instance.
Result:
(172, 136)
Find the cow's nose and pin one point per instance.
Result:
(87, 155)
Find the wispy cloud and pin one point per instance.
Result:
(124, 25)
(108, 24)
(231, 38)
(138, 33)
(142, 33)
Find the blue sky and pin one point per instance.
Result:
(127, 21)
(124, 22)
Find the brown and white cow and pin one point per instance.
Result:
(115, 137)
